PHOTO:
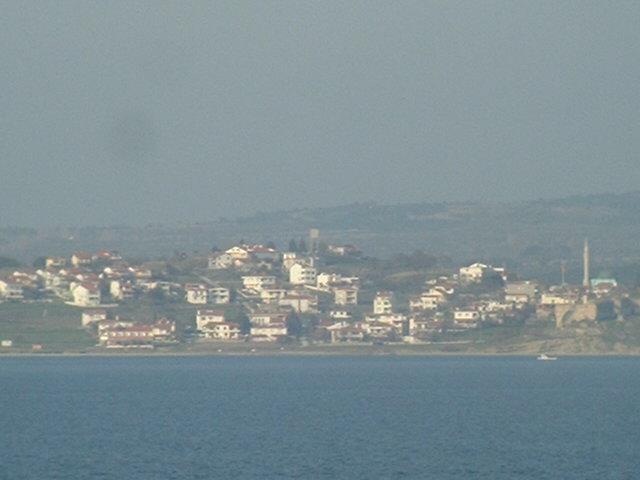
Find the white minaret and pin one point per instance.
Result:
(585, 266)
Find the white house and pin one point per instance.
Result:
(289, 259)
(473, 273)
(299, 302)
(325, 280)
(342, 332)
(343, 250)
(476, 272)
(520, 292)
(205, 317)
(345, 296)
(60, 284)
(222, 261)
(268, 326)
(268, 333)
(55, 262)
(81, 259)
(10, 290)
(466, 318)
(301, 274)
(238, 253)
(383, 303)
(430, 300)
(196, 294)
(141, 273)
(122, 289)
(258, 282)
(116, 272)
(86, 294)
(340, 314)
(375, 329)
(550, 299)
(213, 325)
(396, 320)
(272, 295)
(222, 331)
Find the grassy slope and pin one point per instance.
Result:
(57, 326)
(54, 325)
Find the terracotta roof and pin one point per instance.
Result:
(90, 286)
(211, 313)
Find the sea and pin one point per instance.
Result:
(319, 418)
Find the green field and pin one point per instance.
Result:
(55, 326)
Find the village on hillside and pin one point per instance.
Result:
(311, 293)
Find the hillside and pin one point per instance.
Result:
(528, 235)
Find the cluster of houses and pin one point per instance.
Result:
(274, 290)
(273, 287)
(84, 280)
(77, 281)
(450, 304)
(446, 304)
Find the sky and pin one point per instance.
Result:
(127, 112)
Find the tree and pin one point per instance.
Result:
(628, 307)
(98, 266)
(244, 322)
(105, 292)
(40, 262)
(293, 246)
(606, 311)
(492, 281)
(294, 325)
(157, 295)
(302, 246)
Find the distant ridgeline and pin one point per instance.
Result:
(532, 237)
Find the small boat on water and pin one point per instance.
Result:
(545, 357)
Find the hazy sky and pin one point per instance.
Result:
(126, 112)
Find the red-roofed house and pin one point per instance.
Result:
(129, 334)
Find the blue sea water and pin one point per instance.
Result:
(319, 418)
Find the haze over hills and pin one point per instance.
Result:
(521, 234)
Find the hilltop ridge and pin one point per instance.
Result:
(545, 230)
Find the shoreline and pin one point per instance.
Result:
(300, 353)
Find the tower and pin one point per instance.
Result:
(585, 265)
